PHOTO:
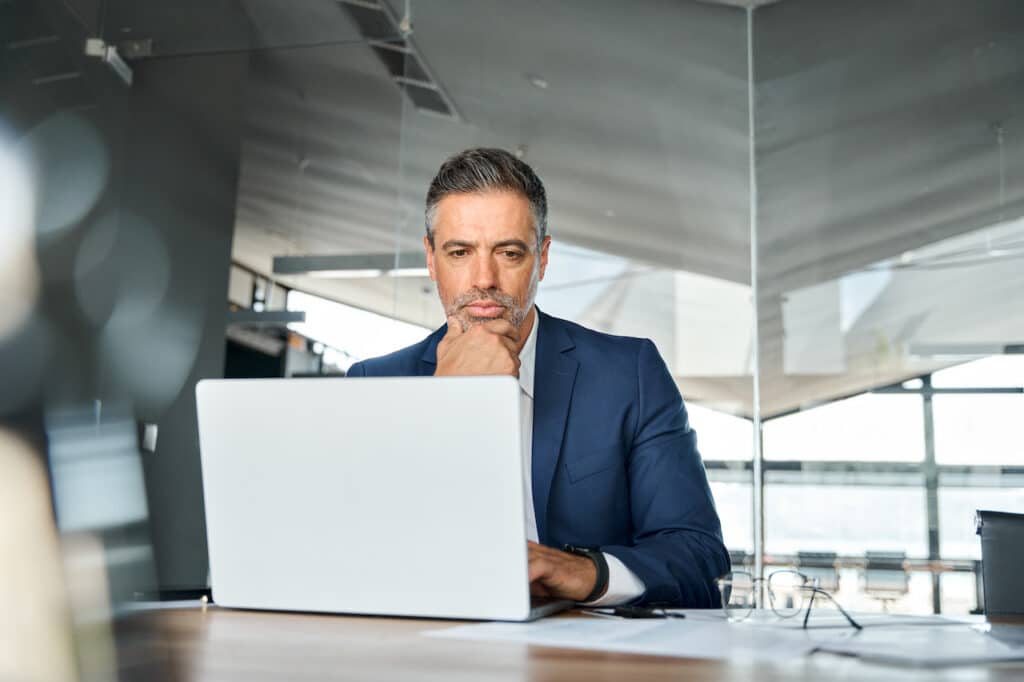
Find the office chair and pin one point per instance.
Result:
(820, 566)
(1002, 556)
(886, 577)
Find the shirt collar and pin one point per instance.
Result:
(527, 358)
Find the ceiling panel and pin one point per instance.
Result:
(635, 115)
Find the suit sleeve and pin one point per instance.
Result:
(677, 548)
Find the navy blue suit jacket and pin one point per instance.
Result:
(615, 462)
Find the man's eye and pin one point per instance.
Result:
(513, 255)
(458, 253)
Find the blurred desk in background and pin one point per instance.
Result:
(221, 644)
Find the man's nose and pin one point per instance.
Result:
(485, 274)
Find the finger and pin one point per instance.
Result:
(503, 328)
(454, 327)
(539, 590)
(541, 550)
(510, 345)
(539, 568)
(544, 553)
(533, 551)
(453, 332)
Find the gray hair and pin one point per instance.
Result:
(484, 169)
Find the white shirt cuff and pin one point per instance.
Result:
(623, 584)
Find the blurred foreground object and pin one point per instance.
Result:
(102, 513)
(100, 498)
(35, 634)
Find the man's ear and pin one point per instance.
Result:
(430, 258)
(544, 257)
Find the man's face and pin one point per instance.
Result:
(485, 259)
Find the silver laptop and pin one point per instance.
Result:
(386, 496)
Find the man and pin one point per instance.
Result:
(621, 511)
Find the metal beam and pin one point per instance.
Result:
(869, 473)
(931, 486)
(981, 390)
(265, 317)
(349, 262)
(965, 350)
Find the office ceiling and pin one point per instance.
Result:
(882, 129)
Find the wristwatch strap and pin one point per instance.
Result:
(597, 556)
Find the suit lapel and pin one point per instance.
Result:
(554, 377)
(428, 361)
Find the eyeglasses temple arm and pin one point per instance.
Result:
(848, 617)
(810, 605)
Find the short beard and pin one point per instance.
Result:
(515, 313)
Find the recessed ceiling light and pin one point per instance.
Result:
(537, 81)
(346, 274)
(408, 272)
(359, 265)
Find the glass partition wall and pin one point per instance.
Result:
(863, 187)
(882, 208)
(890, 289)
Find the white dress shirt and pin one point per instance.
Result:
(623, 584)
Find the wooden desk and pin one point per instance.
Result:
(221, 644)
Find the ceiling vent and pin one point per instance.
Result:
(389, 38)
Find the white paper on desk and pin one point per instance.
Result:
(835, 620)
(690, 638)
(925, 647)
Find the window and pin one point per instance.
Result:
(979, 429)
(848, 520)
(358, 334)
(959, 593)
(866, 428)
(721, 436)
(997, 371)
(733, 500)
(957, 539)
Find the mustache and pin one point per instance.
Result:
(478, 295)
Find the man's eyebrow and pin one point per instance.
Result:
(457, 243)
(513, 242)
(463, 244)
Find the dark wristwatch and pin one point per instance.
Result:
(597, 556)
